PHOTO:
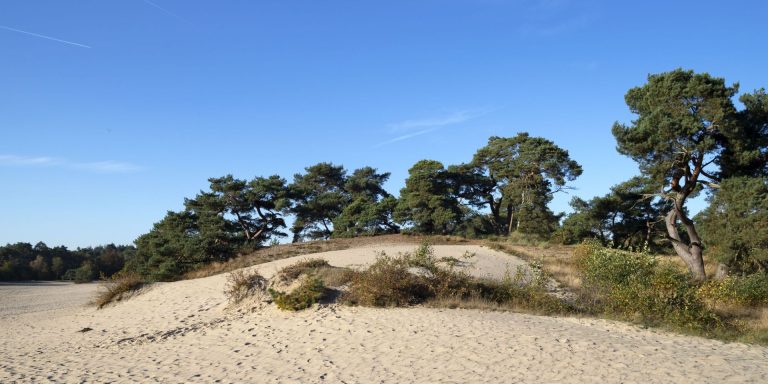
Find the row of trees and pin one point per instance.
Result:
(505, 188)
(688, 138)
(23, 261)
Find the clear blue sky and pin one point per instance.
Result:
(111, 112)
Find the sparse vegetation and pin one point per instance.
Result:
(310, 291)
(242, 284)
(304, 267)
(419, 277)
(118, 288)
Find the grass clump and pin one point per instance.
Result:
(117, 288)
(304, 267)
(311, 291)
(241, 285)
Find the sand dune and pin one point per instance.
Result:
(182, 332)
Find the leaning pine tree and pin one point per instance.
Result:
(687, 136)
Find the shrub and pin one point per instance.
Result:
(119, 287)
(387, 283)
(242, 284)
(304, 296)
(751, 290)
(304, 267)
(635, 286)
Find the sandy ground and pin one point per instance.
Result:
(182, 332)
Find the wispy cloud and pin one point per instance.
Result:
(440, 121)
(44, 36)
(107, 166)
(418, 127)
(167, 12)
(405, 137)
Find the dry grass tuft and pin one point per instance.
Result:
(241, 285)
(118, 288)
(304, 267)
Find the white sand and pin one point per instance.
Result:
(181, 332)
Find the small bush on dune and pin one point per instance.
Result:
(304, 267)
(387, 283)
(119, 287)
(241, 285)
(311, 291)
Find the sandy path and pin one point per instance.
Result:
(180, 332)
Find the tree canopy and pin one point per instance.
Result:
(517, 177)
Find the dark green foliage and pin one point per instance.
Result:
(318, 197)
(629, 217)
(515, 178)
(745, 152)
(735, 225)
(327, 202)
(177, 244)
(215, 225)
(22, 261)
(370, 207)
(311, 291)
(428, 203)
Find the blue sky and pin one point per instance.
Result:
(111, 112)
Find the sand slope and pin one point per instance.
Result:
(181, 332)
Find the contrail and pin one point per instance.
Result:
(44, 37)
(164, 10)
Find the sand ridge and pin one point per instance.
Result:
(183, 332)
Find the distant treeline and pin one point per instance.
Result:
(23, 261)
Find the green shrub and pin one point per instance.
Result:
(637, 287)
(304, 296)
(242, 284)
(751, 290)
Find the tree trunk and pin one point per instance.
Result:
(511, 217)
(691, 254)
